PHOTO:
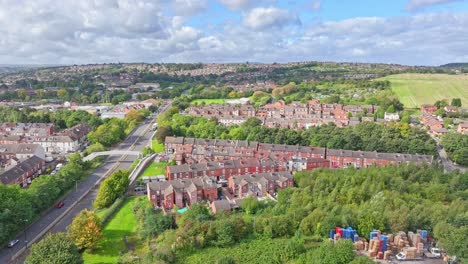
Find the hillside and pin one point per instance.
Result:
(415, 89)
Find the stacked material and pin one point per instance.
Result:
(411, 252)
(359, 245)
(387, 255)
(374, 245)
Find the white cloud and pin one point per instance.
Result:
(244, 4)
(189, 7)
(88, 31)
(263, 18)
(415, 5)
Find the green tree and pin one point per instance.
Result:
(456, 102)
(250, 205)
(225, 260)
(111, 188)
(85, 230)
(163, 132)
(54, 249)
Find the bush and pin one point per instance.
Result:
(54, 248)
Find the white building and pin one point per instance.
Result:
(391, 116)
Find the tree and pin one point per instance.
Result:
(163, 132)
(54, 249)
(62, 94)
(147, 151)
(456, 102)
(251, 205)
(85, 230)
(111, 188)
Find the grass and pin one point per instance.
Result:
(414, 89)
(157, 147)
(122, 224)
(207, 101)
(155, 168)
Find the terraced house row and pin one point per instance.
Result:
(294, 115)
(220, 158)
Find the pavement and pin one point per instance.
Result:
(56, 220)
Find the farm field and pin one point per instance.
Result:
(415, 89)
(122, 224)
(207, 101)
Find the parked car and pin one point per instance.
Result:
(139, 189)
(401, 256)
(436, 252)
(60, 205)
(13, 243)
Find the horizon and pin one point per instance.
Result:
(405, 32)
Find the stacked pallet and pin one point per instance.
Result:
(387, 255)
(411, 252)
(374, 245)
(359, 245)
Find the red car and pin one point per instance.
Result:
(59, 205)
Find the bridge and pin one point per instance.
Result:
(112, 153)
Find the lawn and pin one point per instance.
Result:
(207, 101)
(157, 147)
(415, 89)
(122, 224)
(155, 168)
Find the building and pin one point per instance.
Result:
(202, 151)
(426, 108)
(181, 192)
(23, 173)
(21, 151)
(68, 140)
(222, 170)
(300, 164)
(391, 116)
(462, 128)
(220, 206)
(259, 184)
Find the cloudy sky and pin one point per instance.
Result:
(414, 32)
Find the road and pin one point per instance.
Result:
(86, 189)
(446, 162)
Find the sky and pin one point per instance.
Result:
(411, 32)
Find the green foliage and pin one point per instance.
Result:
(109, 133)
(366, 136)
(55, 249)
(163, 132)
(456, 102)
(150, 222)
(456, 146)
(450, 236)
(111, 188)
(329, 253)
(251, 205)
(147, 151)
(85, 230)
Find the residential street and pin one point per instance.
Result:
(87, 189)
(446, 162)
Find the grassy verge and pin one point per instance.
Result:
(157, 147)
(123, 223)
(207, 101)
(155, 168)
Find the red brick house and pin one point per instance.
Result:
(181, 192)
(259, 184)
(426, 108)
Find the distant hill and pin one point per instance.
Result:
(455, 65)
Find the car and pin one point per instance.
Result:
(139, 189)
(13, 243)
(436, 252)
(401, 256)
(60, 205)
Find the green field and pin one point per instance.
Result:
(122, 224)
(207, 101)
(415, 89)
(155, 168)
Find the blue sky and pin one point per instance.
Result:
(414, 32)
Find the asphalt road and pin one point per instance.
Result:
(136, 141)
(446, 162)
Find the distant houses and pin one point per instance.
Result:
(295, 115)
